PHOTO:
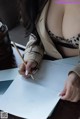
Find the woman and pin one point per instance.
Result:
(55, 29)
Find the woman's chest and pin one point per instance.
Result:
(64, 20)
(71, 21)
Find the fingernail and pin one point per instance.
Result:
(59, 94)
(26, 73)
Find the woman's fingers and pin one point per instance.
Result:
(67, 94)
(71, 95)
(71, 92)
(75, 94)
(30, 67)
(63, 91)
(22, 69)
(26, 69)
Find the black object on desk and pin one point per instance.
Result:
(7, 58)
(4, 85)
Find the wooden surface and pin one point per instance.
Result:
(66, 110)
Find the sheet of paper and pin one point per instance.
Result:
(52, 75)
(8, 74)
(71, 60)
(28, 100)
(36, 99)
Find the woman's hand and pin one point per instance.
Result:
(71, 91)
(27, 68)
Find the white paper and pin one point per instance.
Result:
(70, 60)
(28, 100)
(36, 99)
(51, 75)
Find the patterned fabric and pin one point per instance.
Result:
(71, 43)
(33, 50)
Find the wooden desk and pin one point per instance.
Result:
(66, 110)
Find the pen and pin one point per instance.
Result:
(21, 58)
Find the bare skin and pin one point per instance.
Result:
(63, 21)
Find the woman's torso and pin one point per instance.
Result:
(63, 20)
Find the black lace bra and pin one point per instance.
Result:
(70, 43)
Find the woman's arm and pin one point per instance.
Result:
(34, 50)
(29, 10)
(33, 55)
